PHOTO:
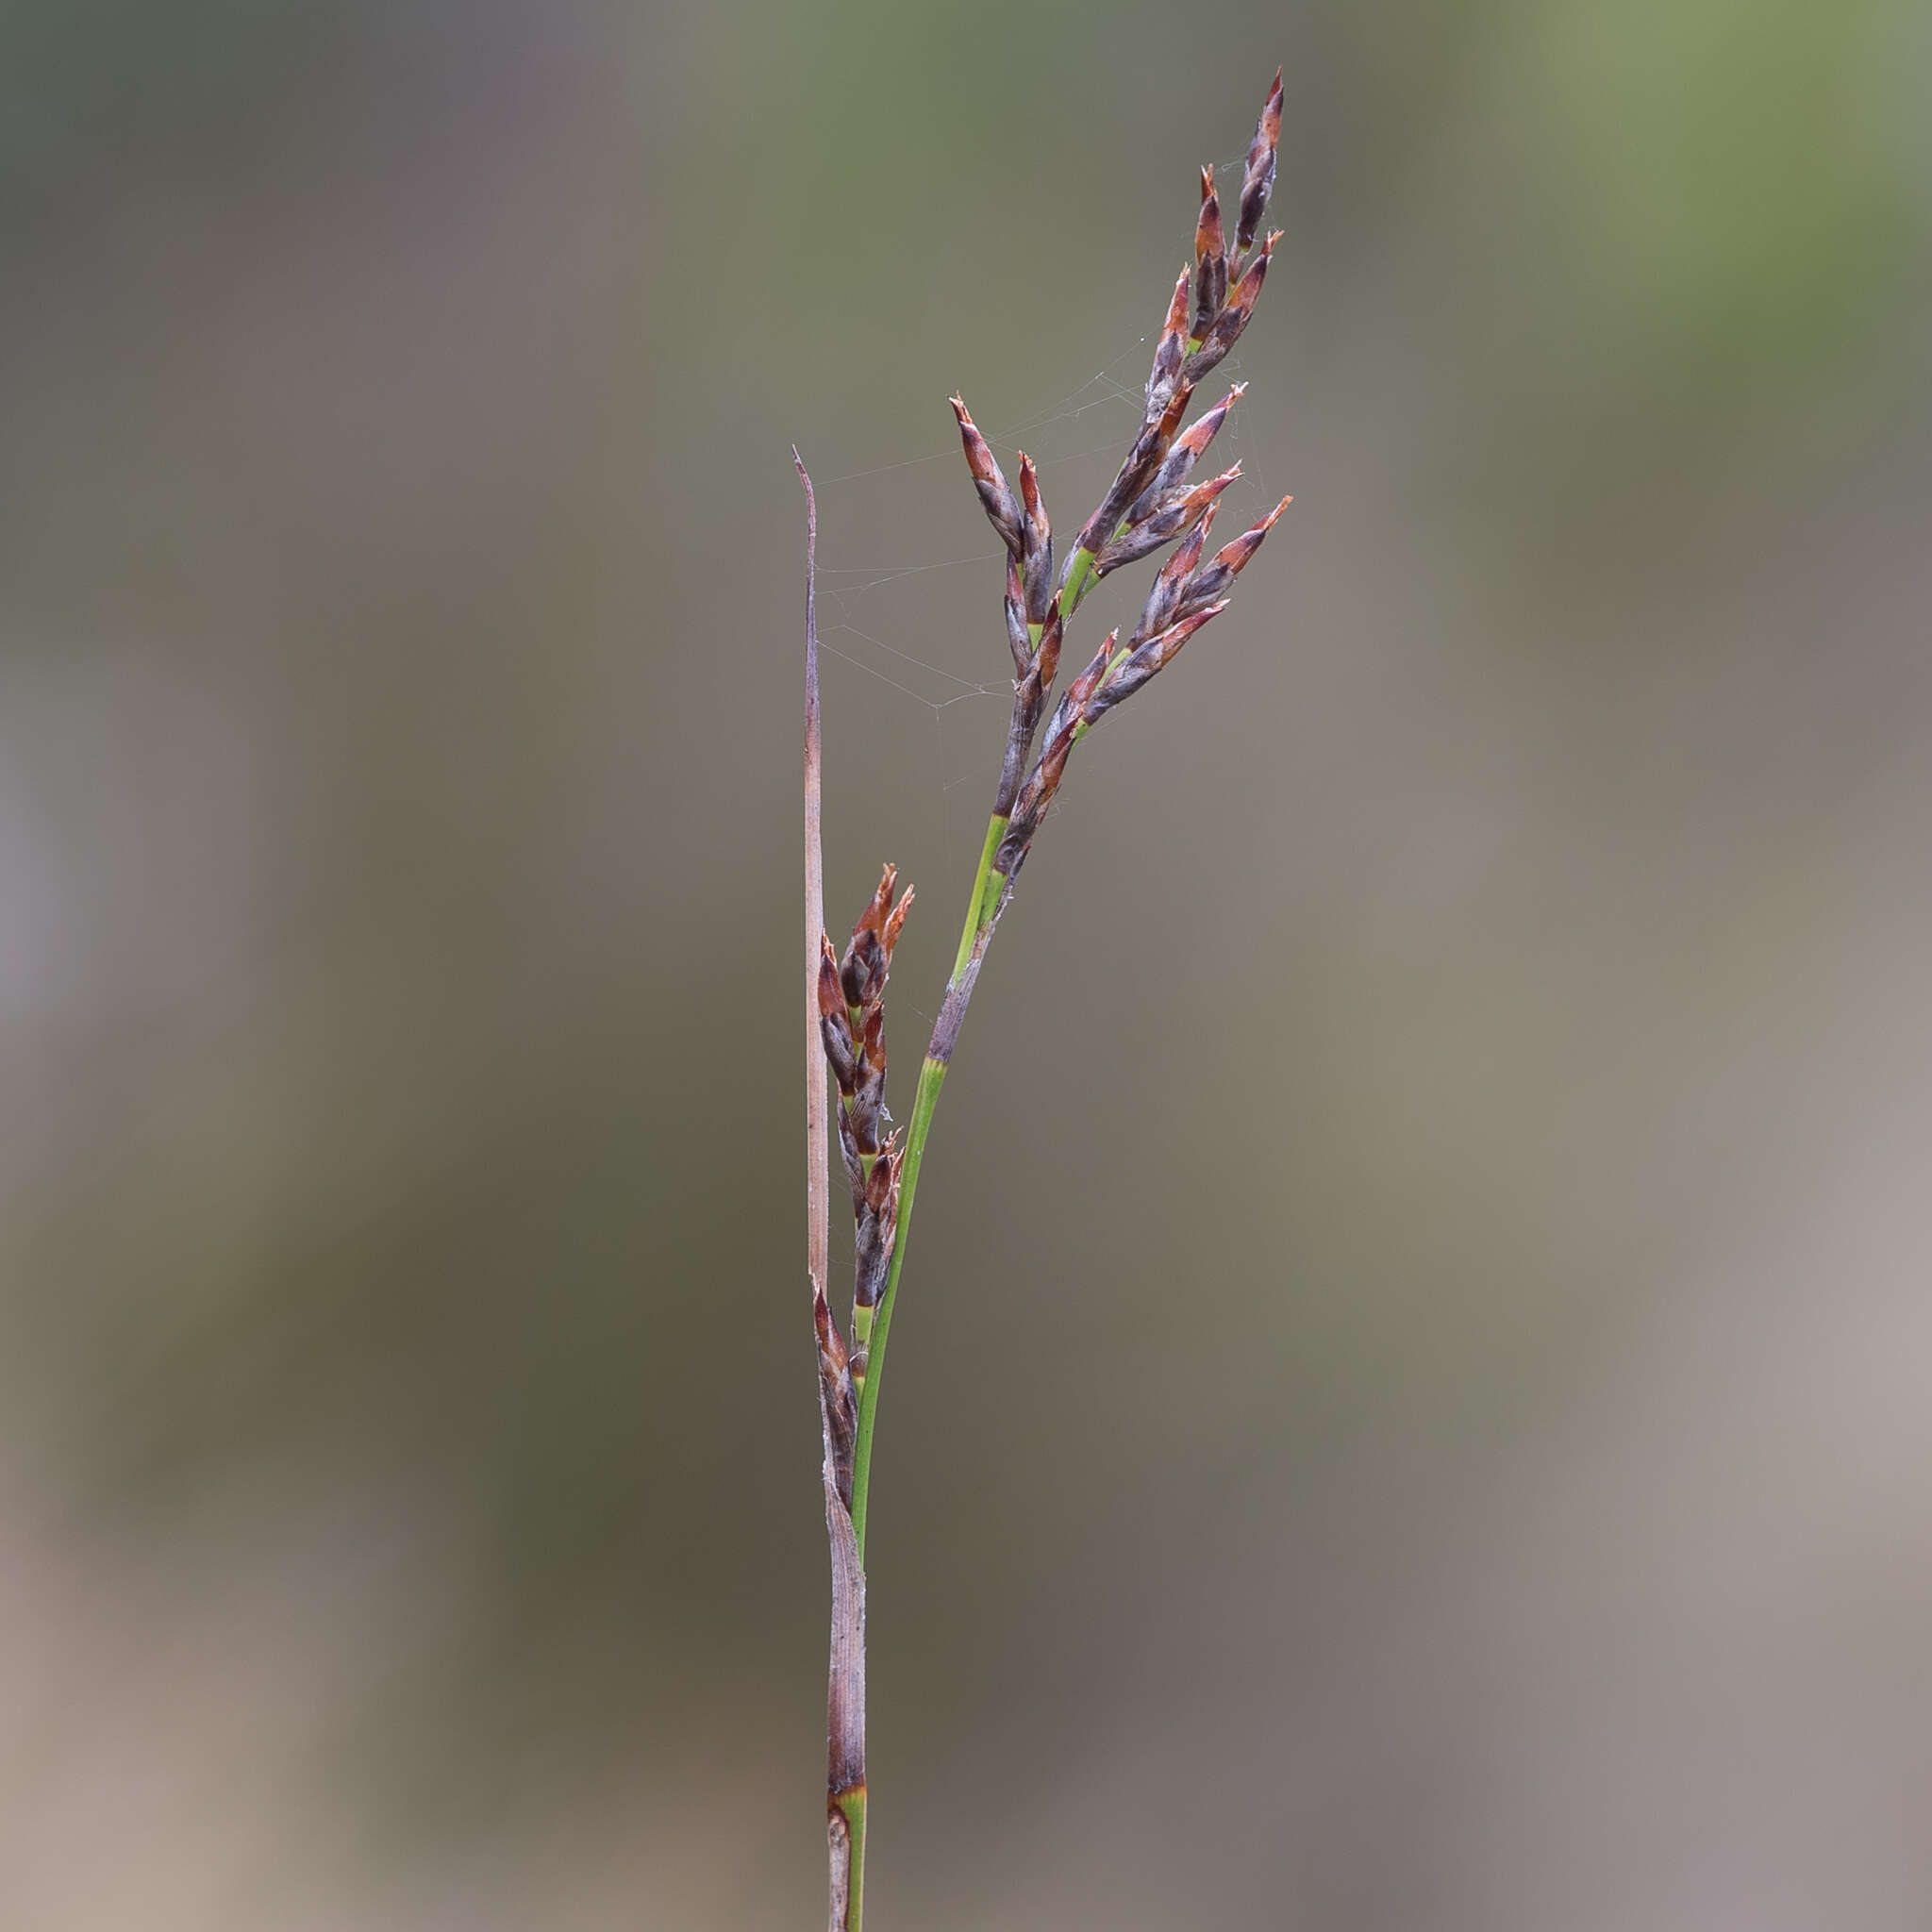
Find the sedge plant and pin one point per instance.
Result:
(1152, 503)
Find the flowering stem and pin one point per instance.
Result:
(1148, 504)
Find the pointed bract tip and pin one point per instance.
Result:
(831, 1000)
(895, 924)
(1233, 557)
(1189, 625)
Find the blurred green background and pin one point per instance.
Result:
(1409, 1408)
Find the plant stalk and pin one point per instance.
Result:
(982, 913)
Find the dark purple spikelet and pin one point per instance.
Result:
(1257, 178)
(1017, 640)
(1150, 447)
(1140, 664)
(1175, 512)
(1225, 330)
(1186, 449)
(876, 1217)
(1083, 687)
(831, 995)
(1164, 598)
(874, 918)
(1210, 257)
(1215, 579)
(995, 495)
(1030, 808)
(1170, 350)
(1035, 543)
(1046, 662)
(851, 1022)
(879, 1186)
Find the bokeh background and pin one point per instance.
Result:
(1410, 1403)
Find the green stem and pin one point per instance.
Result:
(980, 907)
(976, 913)
(1075, 586)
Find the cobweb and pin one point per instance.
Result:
(876, 613)
(889, 616)
(879, 613)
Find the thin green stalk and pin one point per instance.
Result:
(980, 908)
(1079, 575)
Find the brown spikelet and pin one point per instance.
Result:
(1234, 555)
(874, 918)
(1197, 440)
(896, 921)
(1216, 577)
(1174, 513)
(1170, 350)
(832, 999)
(995, 495)
(1018, 641)
(1164, 598)
(1228, 326)
(1037, 793)
(1170, 421)
(1210, 257)
(854, 1031)
(831, 1343)
(1134, 671)
(1035, 543)
(1047, 661)
(1161, 650)
(879, 1183)
(1083, 688)
(1257, 178)
(1186, 449)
